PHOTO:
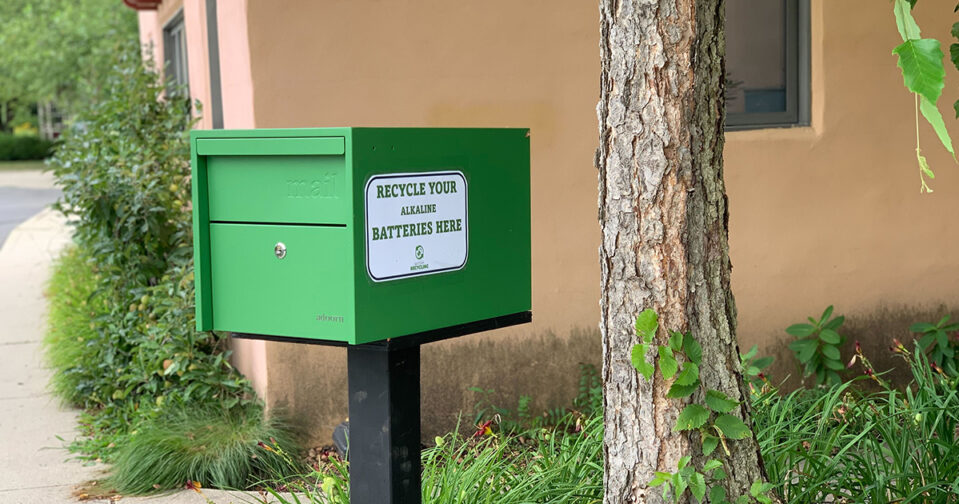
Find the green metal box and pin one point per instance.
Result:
(357, 235)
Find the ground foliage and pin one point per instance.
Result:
(130, 349)
(863, 440)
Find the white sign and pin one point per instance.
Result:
(416, 224)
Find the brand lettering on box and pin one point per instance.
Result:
(322, 187)
(416, 224)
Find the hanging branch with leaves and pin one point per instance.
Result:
(923, 72)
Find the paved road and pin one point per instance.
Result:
(18, 204)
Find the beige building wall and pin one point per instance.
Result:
(825, 214)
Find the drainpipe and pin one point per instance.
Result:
(213, 46)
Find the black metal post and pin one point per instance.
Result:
(384, 441)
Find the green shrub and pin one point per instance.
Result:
(214, 447)
(125, 180)
(935, 340)
(24, 147)
(817, 347)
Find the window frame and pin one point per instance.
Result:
(174, 40)
(797, 80)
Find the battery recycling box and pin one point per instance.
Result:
(357, 235)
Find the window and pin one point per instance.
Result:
(174, 56)
(767, 63)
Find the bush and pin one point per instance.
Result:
(125, 179)
(24, 148)
(210, 446)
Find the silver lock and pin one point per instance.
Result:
(279, 250)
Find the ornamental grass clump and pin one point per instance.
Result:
(205, 446)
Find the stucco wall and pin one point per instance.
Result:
(439, 63)
(826, 214)
(832, 214)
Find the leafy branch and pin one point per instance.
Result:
(923, 73)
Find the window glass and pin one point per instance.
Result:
(766, 62)
(755, 56)
(174, 54)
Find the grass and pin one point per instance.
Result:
(215, 448)
(862, 441)
(845, 444)
(561, 465)
(71, 327)
(21, 165)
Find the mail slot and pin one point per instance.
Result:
(357, 235)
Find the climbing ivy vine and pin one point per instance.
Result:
(711, 416)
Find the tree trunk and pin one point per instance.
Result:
(663, 214)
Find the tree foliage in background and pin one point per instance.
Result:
(60, 50)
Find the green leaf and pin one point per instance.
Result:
(931, 112)
(835, 323)
(758, 488)
(908, 29)
(646, 324)
(955, 106)
(922, 69)
(804, 349)
(751, 353)
(710, 443)
(692, 417)
(667, 363)
(764, 362)
(683, 462)
(717, 494)
(955, 30)
(711, 464)
(954, 54)
(921, 327)
(675, 340)
(720, 402)
(829, 336)
(830, 352)
(689, 375)
(680, 484)
(825, 315)
(732, 427)
(942, 339)
(660, 478)
(638, 358)
(677, 391)
(697, 485)
(800, 330)
(835, 365)
(692, 349)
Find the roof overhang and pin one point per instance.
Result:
(142, 4)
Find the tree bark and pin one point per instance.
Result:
(663, 213)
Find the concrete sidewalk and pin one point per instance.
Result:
(34, 466)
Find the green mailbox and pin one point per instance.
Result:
(358, 235)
